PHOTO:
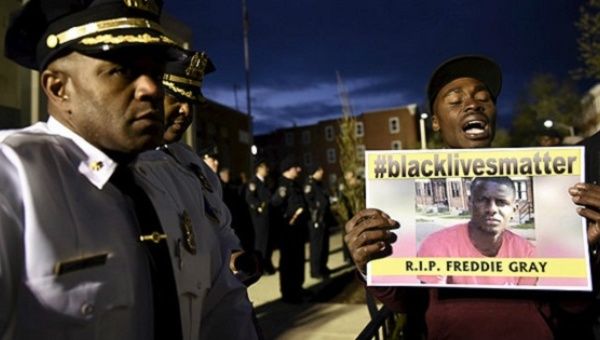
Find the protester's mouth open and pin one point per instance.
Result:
(476, 129)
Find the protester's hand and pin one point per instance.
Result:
(368, 236)
(588, 195)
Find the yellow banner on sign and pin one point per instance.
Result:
(474, 163)
(522, 267)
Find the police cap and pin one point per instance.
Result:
(43, 30)
(288, 163)
(210, 150)
(183, 78)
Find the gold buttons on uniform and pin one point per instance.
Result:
(52, 41)
(154, 237)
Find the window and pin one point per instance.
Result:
(521, 190)
(455, 188)
(360, 129)
(305, 137)
(394, 125)
(307, 158)
(360, 152)
(244, 136)
(428, 189)
(224, 131)
(289, 138)
(329, 133)
(331, 157)
(396, 145)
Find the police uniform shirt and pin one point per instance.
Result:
(288, 198)
(226, 301)
(217, 212)
(257, 196)
(71, 265)
(316, 199)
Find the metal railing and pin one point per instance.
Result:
(383, 324)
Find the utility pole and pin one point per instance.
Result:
(246, 56)
(235, 89)
(245, 25)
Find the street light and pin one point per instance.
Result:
(548, 123)
(422, 127)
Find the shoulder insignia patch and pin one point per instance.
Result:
(282, 191)
(252, 186)
(307, 189)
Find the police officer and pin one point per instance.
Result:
(320, 217)
(182, 83)
(292, 214)
(257, 197)
(92, 244)
(210, 155)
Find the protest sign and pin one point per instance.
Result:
(463, 226)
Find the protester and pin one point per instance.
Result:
(291, 211)
(320, 218)
(492, 205)
(462, 94)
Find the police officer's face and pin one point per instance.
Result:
(115, 105)
(465, 114)
(318, 175)
(178, 117)
(262, 170)
(492, 206)
(212, 162)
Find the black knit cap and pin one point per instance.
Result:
(183, 78)
(43, 30)
(478, 67)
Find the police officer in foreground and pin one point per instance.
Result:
(292, 217)
(320, 218)
(257, 197)
(93, 245)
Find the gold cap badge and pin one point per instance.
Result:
(197, 65)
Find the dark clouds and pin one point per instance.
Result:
(384, 49)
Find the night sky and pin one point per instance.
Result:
(385, 50)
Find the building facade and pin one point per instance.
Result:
(383, 129)
(229, 130)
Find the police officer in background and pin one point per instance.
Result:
(320, 218)
(210, 155)
(257, 197)
(92, 244)
(292, 217)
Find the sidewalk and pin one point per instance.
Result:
(329, 318)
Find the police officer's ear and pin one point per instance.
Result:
(54, 84)
(435, 123)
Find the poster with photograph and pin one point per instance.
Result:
(480, 218)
